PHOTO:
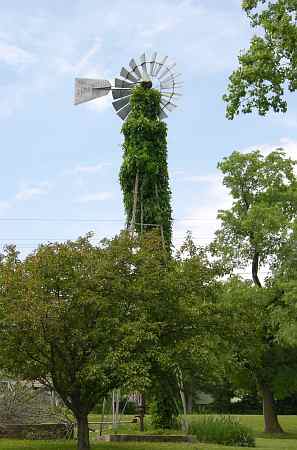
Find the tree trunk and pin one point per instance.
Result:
(190, 401)
(83, 439)
(270, 417)
(255, 269)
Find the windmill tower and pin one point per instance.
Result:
(142, 97)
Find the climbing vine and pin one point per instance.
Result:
(144, 173)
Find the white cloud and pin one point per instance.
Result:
(95, 197)
(202, 220)
(84, 61)
(203, 37)
(88, 169)
(4, 205)
(211, 178)
(31, 191)
(287, 144)
(14, 56)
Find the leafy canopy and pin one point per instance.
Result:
(264, 192)
(269, 67)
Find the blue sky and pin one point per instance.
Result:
(60, 163)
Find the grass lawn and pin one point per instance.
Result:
(286, 442)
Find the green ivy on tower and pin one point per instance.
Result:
(144, 173)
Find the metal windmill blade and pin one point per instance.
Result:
(135, 68)
(119, 93)
(143, 62)
(87, 89)
(123, 113)
(118, 83)
(119, 104)
(159, 66)
(150, 71)
(128, 75)
(153, 63)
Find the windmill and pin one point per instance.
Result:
(150, 72)
(144, 172)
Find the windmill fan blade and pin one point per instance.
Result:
(119, 93)
(145, 75)
(123, 113)
(171, 94)
(166, 71)
(125, 74)
(160, 65)
(172, 77)
(152, 63)
(150, 68)
(87, 89)
(170, 85)
(169, 105)
(123, 83)
(134, 68)
(119, 104)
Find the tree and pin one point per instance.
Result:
(144, 172)
(85, 319)
(254, 230)
(269, 67)
(60, 324)
(284, 313)
(264, 191)
(200, 351)
(258, 360)
(196, 329)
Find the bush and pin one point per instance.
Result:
(222, 430)
(162, 414)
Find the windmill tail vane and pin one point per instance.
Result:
(149, 71)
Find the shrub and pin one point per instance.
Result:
(223, 430)
(161, 412)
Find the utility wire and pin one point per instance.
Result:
(74, 219)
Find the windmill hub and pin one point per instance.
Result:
(148, 72)
(147, 84)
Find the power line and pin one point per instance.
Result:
(74, 219)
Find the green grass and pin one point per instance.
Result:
(264, 442)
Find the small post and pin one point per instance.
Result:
(141, 410)
(180, 382)
(113, 410)
(102, 416)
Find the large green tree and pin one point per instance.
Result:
(60, 323)
(258, 361)
(85, 319)
(264, 193)
(253, 232)
(269, 67)
(284, 314)
(197, 354)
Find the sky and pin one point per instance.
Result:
(60, 162)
